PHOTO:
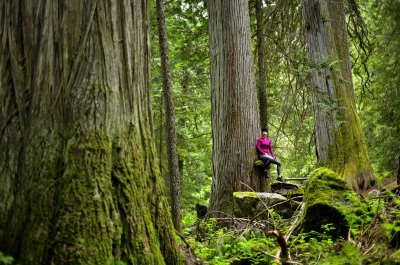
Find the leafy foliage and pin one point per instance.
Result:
(378, 82)
(188, 42)
(5, 259)
(222, 246)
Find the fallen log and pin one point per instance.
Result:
(296, 179)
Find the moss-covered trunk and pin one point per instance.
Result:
(339, 139)
(235, 118)
(80, 181)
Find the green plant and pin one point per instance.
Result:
(223, 246)
(362, 215)
(391, 224)
(314, 247)
(5, 259)
(278, 221)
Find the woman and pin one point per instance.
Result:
(265, 152)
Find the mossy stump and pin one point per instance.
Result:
(251, 204)
(264, 172)
(328, 198)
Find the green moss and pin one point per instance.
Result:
(258, 163)
(347, 153)
(245, 203)
(328, 199)
(242, 194)
(108, 205)
(324, 184)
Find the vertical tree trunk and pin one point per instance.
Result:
(80, 181)
(173, 165)
(398, 171)
(261, 89)
(235, 118)
(340, 142)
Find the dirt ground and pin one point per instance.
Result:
(190, 257)
(387, 183)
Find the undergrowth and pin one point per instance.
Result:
(372, 224)
(5, 259)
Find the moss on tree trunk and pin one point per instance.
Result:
(82, 185)
(340, 143)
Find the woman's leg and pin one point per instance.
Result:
(269, 159)
(278, 166)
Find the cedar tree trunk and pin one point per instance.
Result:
(79, 179)
(235, 118)
(340, 143)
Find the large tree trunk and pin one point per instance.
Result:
(262, 77)
(340, 142)
(235, 119)
(173, 167)
(79, 178)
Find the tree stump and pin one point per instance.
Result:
(252, 204)
(264, 172)
(327, 198)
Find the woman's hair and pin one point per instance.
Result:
(264, 130)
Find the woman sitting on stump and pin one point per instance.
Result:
(266, 153)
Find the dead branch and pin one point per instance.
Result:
(282, 254)
(183, 239)
(296, 221)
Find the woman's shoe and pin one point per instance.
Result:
(280, 179)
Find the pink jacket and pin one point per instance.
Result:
(265, 147)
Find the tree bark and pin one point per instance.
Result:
(340, 143)
(398, 171)
(173, 161)
(262, 77)
(235, 118)
(80, 180)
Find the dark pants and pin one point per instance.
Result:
(270, 160)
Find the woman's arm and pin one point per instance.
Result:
(258, 146)
(271, 150)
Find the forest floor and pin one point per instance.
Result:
(192, 259)
(389, 183)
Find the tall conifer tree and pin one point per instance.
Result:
(173, 167)
(79, 179)
(340, 143)
(235, 118)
